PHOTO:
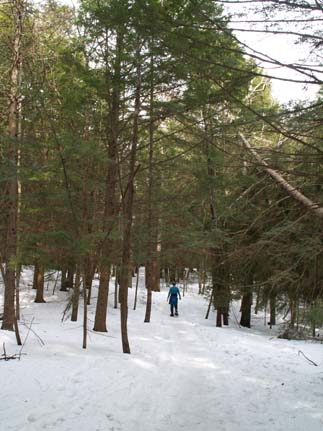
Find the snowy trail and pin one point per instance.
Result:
(183, 374)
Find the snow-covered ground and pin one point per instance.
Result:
(183, 373)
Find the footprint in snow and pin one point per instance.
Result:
(32, 418)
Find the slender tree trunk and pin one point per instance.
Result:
(84, 316)
(116, 288)
(18, 339)
(136, 291)
(148, 305)
(111, 184)
(292, 191)
(152, 266)
(209, 306)
(128, 215)
(18, 276)
(13, 129)
(272, 306)
(76, 295)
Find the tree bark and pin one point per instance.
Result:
(110, 189)
(63, 280)
(246, 304)
(128, 214)
(76, 295)
(116, 287)
(84, 317)
(136, 291)
(13, 130)
(40, 285)
(100, 324)
(272, 306)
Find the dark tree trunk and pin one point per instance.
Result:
(76, 296)
(128, 213)
(84, 317)
(209, 306)
(257, 300)
(136, 291)
(116, 288)
(272, 305)
(100, 324)
(12, 185)
(246, 304)
(111, 184)
(36, 269)
(63, 280)
(18, 276)
(148, 306)
(226, 316)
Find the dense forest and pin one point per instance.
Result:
(144, 133)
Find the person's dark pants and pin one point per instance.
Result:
(173, 305)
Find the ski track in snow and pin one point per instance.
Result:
(183, 374)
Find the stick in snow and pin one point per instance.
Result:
(309, 360)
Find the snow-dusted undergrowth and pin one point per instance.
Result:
(183, 373)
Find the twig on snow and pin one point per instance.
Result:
(5, 357)
(23, 344)
(40, 340)
(309, 360)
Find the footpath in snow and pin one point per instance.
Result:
(183, 373)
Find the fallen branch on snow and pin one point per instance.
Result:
(5, 357)
(309, 360)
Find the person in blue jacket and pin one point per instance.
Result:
(173, 295)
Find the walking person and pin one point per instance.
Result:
(173, 295)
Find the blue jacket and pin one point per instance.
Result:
(173, 294)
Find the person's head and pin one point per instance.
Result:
(173, 283)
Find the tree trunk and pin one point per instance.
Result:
(116, 288)
(100, 324)
(76, 295)
(292, 191)
(40, 285)
(18, 276)
(36, 269)
(209, 306)
(148, 305)
(272, 306)
(84, 316)
(128, 214)
(136, 291)
(63, 280)
(246, 304)
(152, 266)
(111, 184)
(13, 129)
